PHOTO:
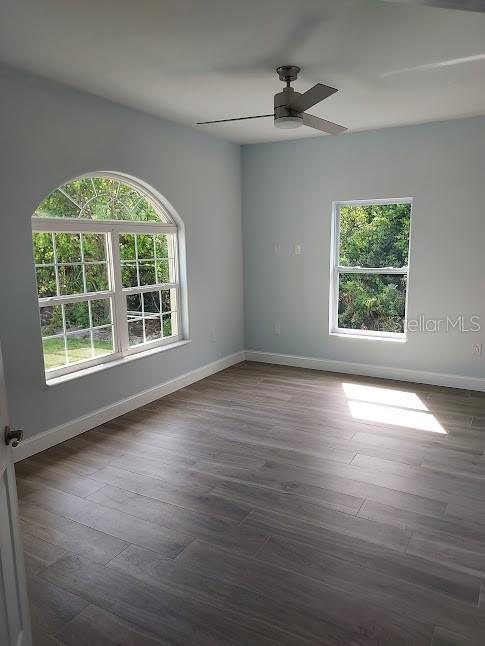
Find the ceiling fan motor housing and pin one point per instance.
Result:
(284, 114)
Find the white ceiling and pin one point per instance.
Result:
(193, 60)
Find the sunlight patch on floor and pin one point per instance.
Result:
(389, 406)
(387, 396)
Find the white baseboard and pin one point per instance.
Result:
(367, 370)
(79, 425)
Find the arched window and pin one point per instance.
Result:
(107, 272)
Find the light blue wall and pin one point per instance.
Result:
(49, 134)
(288, 189)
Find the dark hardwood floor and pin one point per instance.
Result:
(264, 505)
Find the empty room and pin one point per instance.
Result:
(242, 323)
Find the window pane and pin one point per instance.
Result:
(171, 270)
(129, 195)
(101, 312)
(166, 300)
(46, 281)
(43, 248)
(68, 247)
(147, 273)
(129, 275)
(374, 235)
(81, 190)
(151, 301)
(97, 277)
(103, 341)
(161, 246)
(51, 320)
(145, 212)
(118, 210)
(79, 333)
(153, 328)
(79, 346)
(57, 205)
(54, 354)
(163, 273)
(135, 332)
(77, 316)
(134, 306)
(103, 207)
(167, 325)
(372, 302)
(127, 246)
(94, 246)
(106, 186)
(145, 245)
(71, 279)
(102, 198)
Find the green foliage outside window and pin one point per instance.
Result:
(375, 236)
(76, 263)
(372, 302)
(98, 198)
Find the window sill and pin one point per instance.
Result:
(84, 372)
(369, 337)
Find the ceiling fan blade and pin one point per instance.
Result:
(312, 96)
(257, 116)
(463, 5)
(323, 125)
(439, 64)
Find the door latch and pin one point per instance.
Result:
(13, 437)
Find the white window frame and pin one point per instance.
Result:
(336, 269)
(118, 293)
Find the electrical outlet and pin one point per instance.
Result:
(477, 349)
(276, 247)
(276, 329)
(297, 249)
(213, 336)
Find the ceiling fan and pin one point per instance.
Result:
(290, 106)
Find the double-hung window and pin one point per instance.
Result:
(369, 268)
(107, 273)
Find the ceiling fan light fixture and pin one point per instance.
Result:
(288, 122)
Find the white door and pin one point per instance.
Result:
(14, 607)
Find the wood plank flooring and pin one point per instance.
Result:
(264, 505)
